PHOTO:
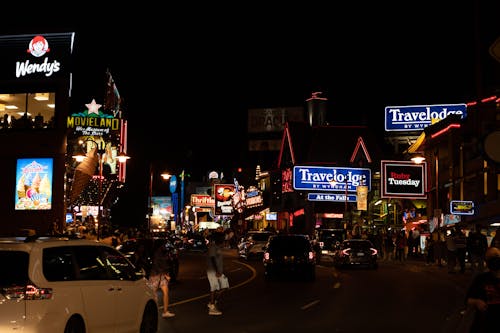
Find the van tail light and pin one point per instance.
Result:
(35, 293)
(29, 292)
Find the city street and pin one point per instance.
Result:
(409, 297)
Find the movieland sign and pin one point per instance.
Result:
(418, 117)
(330, 178)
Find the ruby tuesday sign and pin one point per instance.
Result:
(403, 180)
(417, 117)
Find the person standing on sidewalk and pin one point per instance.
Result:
(215, 272)
(477, 244)
(461, 246)
(429, 250)
(451, 250)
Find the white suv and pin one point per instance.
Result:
(50, 284)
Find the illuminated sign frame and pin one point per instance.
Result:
(413, 172)
(458, 207)
(330, 178)
(417, 117)
(33, 189)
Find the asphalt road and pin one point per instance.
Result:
(408, 297)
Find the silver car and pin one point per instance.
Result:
(251, 246)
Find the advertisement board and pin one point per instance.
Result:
(42, 57)
(223, 199)
(330, 178)
(33, 184)
(418, 117)
(403, 179)
(462, 207)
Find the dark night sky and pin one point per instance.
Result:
(188, 75)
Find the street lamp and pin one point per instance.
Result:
(418, 158)
(90, 152)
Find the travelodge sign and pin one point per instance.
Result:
(417, 117)
(330, 178)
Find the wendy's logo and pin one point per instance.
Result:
(38, 46)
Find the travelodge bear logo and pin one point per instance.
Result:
(38, 47)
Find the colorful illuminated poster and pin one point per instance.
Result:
(34, 184)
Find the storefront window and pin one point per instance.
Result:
(27, 110)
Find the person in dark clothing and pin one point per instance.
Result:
(429, 247)
(159, 276)
(477, 244)
(483, 294)
(461, 248)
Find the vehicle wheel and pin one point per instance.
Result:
(149, 323)
(75, 325)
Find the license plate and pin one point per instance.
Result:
(360, 254)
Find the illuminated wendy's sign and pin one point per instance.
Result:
(417, 117)
(36, 57)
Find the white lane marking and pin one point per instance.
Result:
(307, 306)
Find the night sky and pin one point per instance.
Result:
(188, 75)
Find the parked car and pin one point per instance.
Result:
(330, 240)
(356, 252)
(59, 284)
(289, 255)
(140, 252)
(252, 245)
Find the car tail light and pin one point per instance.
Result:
(346, 252)
(374, 251)
(28, 292)
(311, 255)
(266, 255)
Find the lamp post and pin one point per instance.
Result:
(100, 150)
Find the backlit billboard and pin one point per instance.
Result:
(33, 184)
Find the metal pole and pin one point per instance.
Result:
(150, 203)
(99, 195)
(181, 209)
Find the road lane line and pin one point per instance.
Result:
(307, 306)
(254, 274)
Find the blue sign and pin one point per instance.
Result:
(173, 184)
(175, 205)
(418, 117)
(330, 178)
(331, 197)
